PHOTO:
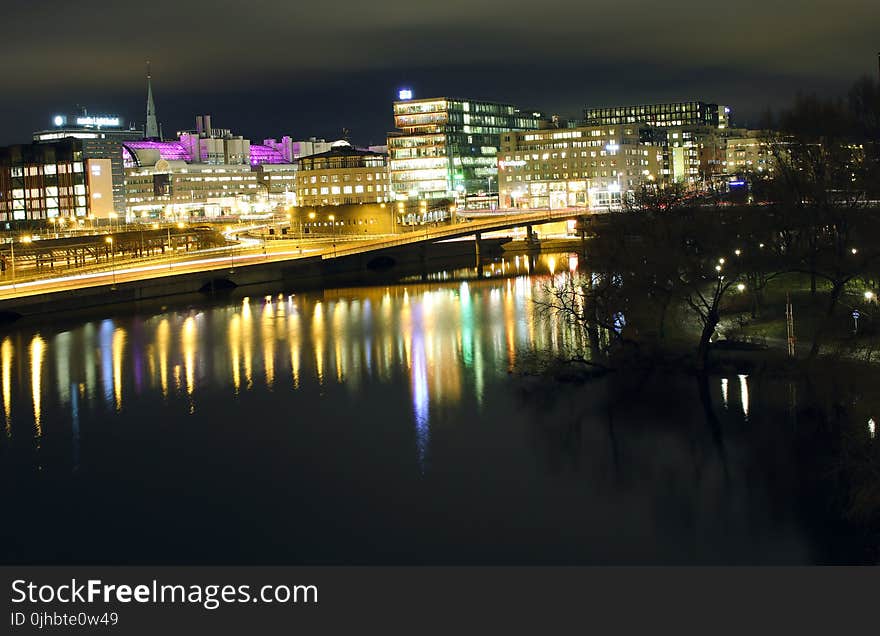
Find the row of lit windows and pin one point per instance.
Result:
(538, 167)
(556, 176)
(637, 152)
(358, 189)
(335, 178)
(46, 169)
(650, 109)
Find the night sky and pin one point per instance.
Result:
(272, 67)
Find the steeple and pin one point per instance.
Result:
(151, 129)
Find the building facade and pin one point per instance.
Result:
(41, 182)
(206, 172)
(102, 137)
(343, 175)
(575, 167)
(662, 115)
(749, 151)
(446, 148)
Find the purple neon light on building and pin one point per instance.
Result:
(168, 150)
(264, 154)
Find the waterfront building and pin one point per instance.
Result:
(576, 167)
(206, 172)
(343, 175)
(446, 148)
(101, 137)
(54, 181)
(344, 219)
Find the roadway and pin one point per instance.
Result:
(250, 251)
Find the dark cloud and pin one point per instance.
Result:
(311, 68)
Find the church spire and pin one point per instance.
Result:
(151, 129)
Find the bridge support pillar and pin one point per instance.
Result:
(531, 237)
(582, 222)
(478, 249)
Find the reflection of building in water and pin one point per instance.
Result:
(188, 343)
(62, 365)
(118, 352)
(163, 340)
(247, 326)
(267, 337)
(293, 327)
(448, 339)
(6, 350)
(37, 349)
(234, 335)
(106, 346)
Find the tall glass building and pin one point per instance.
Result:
(447, 147)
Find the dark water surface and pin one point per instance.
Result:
(385, 426)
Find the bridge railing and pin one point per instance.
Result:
(455, 231)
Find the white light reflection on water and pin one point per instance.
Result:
(744, 394)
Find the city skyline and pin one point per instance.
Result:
(304, 71)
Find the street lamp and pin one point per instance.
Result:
(333, 223)
(231, 249)
(109, 241)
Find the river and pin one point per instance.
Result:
(389, 425)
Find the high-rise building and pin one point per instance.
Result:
(101, 137)
(447, 147)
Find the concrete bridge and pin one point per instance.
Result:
(359, 263)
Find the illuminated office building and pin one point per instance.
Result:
(207, 172)
(662, 115)
(343, 175)
(101, 137)
(749, 151)
(691, 133)
(447, 147)
(575, 167)
(53, 180)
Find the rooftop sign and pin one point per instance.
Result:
(101, 120)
